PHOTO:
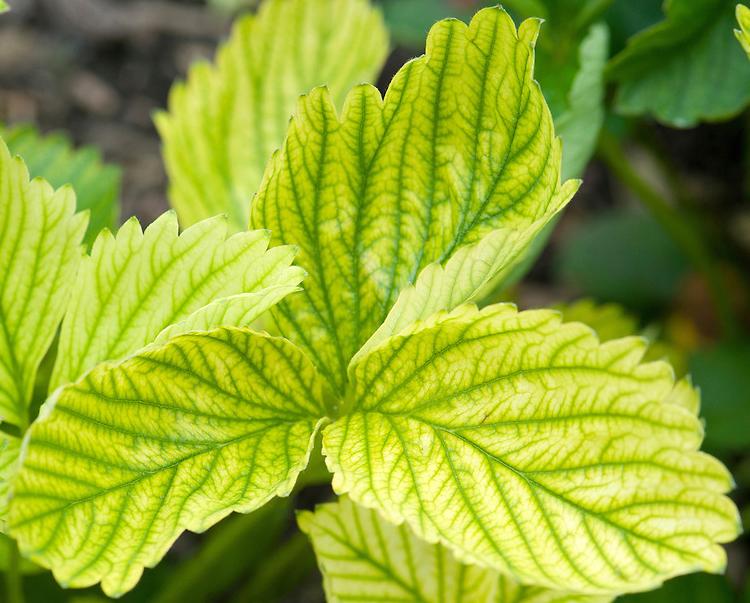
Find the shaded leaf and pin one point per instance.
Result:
(364, 558)
(685, 69)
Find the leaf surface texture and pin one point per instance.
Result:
(40, 249)
(366, 559)
(227, 119)
(462, 145)
(140, 285)
(527, 446)
(173, 438)
(52, 157)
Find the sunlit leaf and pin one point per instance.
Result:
(140, 285)
(96, 184)
(9, 449)
(366, 559)
(40, 249)
(173, 438)
(685, 69)
(227, 119)
(461, 146)
(527, 446)
(743, 33)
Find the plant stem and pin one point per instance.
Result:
(685, 234)
(13, 578)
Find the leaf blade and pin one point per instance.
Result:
(225, 121)
(140, 286)
(39, 254)
(690, 51)
(52, 157)
(365, 558)
(541, 440)
(463, 144)
(173, 438)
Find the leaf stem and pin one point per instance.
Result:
(679, 227)
(13, 578)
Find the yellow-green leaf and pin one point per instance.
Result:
(53, 157)
(9, 449)
(40, 249)
(527, 446)
(173, 438)
(743, 33)
(365, 559)
(462, 145)
(227, 119)
(142, 285)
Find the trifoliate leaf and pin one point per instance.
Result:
(364, 558)
(40, 248)
(527, 446)
(686, 68)
(743, 33)
(173, 438)
(462, 145)
(140, 284)
(97, 185)
(226, 120)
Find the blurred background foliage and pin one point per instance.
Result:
(652, 110)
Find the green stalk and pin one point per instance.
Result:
(685, 234)
(13, 578)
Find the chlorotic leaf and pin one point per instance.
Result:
(462, 145)
(139, 284)
(743, 33)
(527, 446)
(52, 157)
(366, 559)
(9, 449)
(173, 438)
(40, 249)
(610, 321)
(226, 120)
(686, 68)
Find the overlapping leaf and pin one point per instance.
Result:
(743, 33)
(685, 69)
(366, 559)
(40, 249)
(462, 145)
(96, 184)
(173, 438)
(526, 446)
(140, 285)
(9, 449)
(226, 120)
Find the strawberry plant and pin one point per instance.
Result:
(315, 309)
